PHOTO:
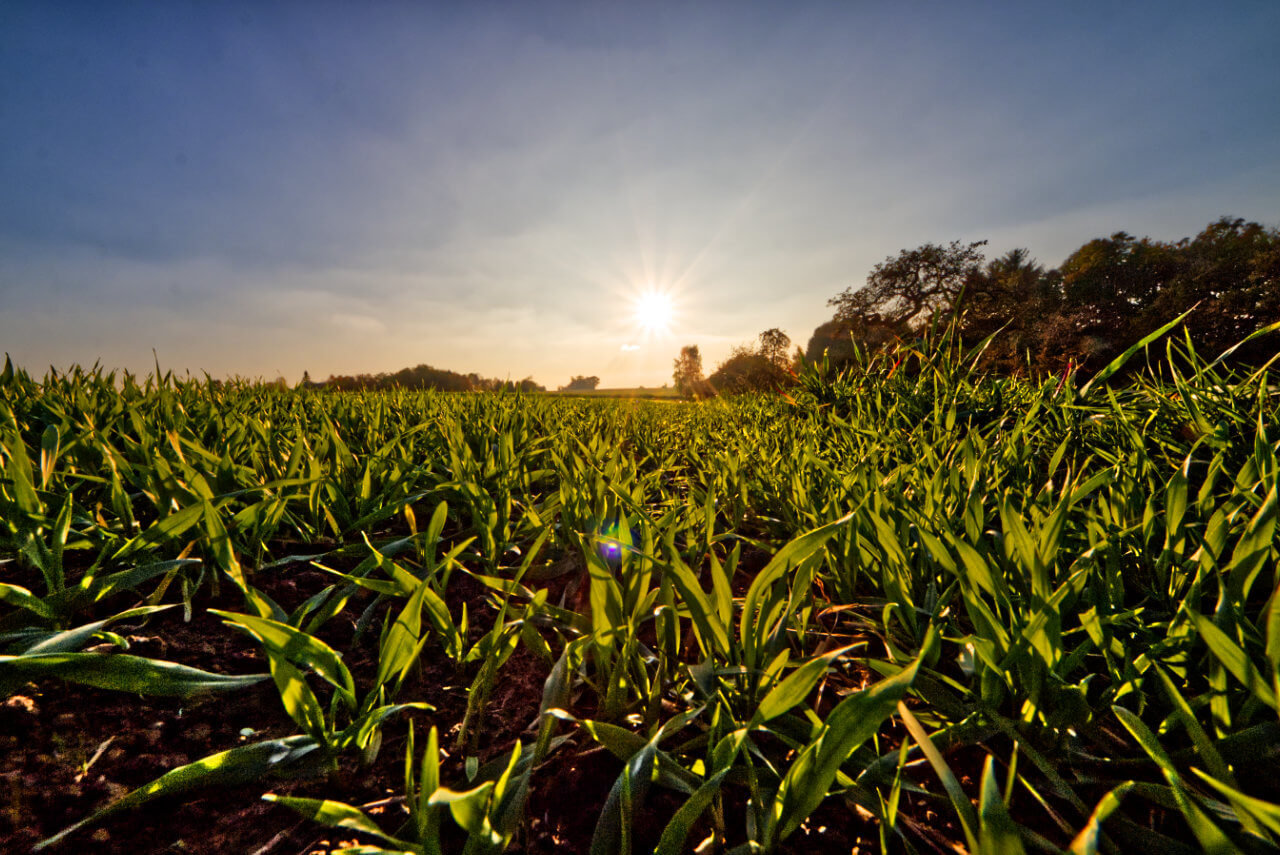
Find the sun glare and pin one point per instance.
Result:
(654, 312)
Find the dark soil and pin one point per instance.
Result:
(66, 751)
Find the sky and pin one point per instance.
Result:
(263, 189)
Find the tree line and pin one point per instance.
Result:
(580, 383)
(1080, 315)
(425, 377)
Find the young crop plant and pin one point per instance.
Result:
(352, 722)
(489, 814)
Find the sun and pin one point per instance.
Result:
(654, 311)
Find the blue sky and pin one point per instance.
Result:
(262, 189)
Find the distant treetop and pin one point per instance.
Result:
(426, 377)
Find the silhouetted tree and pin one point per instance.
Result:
(774, 344)
(763, 368)
(528, 384)
(906, 289)
(577, 383)
(837, 338)
(687, 374)
(1107, 286)
(746, 370)
(426, 377)
(1012, 294)
(1231, 273)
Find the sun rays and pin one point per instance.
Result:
(653, 311)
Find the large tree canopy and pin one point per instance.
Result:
(1009, 300)
(1231, 273)
(907, 288)
(1108, 293)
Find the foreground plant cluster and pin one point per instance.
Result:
(909, 608)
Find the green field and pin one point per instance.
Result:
(663, 393)
(909, 608)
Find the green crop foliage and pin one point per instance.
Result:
(1046, 612)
